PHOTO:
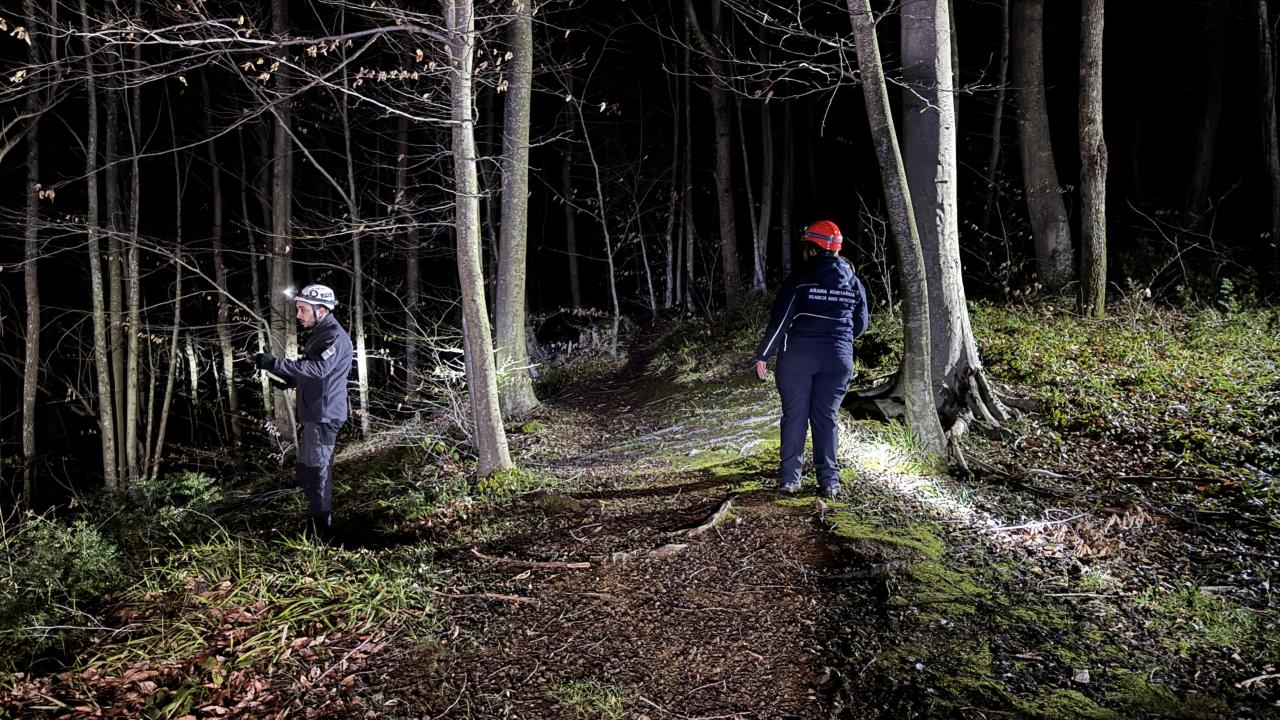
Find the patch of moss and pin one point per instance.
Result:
(553, 503)
(1063, 704)
(945, 591)
(532, 427)
(1134, 692)
(508, 483)
(1188, 617)
(921, 537)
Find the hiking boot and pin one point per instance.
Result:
(831, 491)
(788, 488)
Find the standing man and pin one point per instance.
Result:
(320, 376)
(820, 311)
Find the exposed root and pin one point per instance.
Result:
(488, 596)
(532, 563)
(711, 522)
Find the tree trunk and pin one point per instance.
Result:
(357, 269)
(929, 153)
(761, 215)
(1204, 151)
(604, 229)
(724, 161)
(115, 251)
(757, 245)
(486, 172)
(1270, 147)
(133, 380)
(101, 338)
(220, 271)
(167, 403)
(570, 227)
(412, 272)
(1049, 228)
(690, 304)
(671, 266)
(1093, 164)
(31, 286)
(255, 280)
(997, 119)
(515, 388)
(491, 439)
(284, 338)
(916, 383)
(788, 191)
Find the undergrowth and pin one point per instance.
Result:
(1195, 394)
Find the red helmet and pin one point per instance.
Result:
(824, 234)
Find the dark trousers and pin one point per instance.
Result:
(315, 468)
(813, 378)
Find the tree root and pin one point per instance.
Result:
(710, 522)
(532, 563)
(488, 596)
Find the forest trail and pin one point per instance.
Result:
(913, 595)
(612, 596)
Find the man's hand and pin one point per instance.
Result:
(264, 361)
(762, 369)
(279, 384)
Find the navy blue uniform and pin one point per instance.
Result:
(321, 378)
(819, 312)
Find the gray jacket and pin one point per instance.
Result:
(321, 373)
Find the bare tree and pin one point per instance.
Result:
(220, 269)
(167, 403)
(357, 257)
(723, 162)
(491, 439)
(787, 191)
(1049, 228)
(31, 286)
(915, 384)
(997, 119)
(515, 387)
(101, 338)
(284, 338)
(1093, 164)
(412, 267)
(929, 142)
(1205, 149)
(1270, 146)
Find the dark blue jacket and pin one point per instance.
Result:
(321, 373)
(823, 302)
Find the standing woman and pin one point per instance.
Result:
(819, 312)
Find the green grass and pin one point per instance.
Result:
(591, 698)
(1188, 618)
(1194, 392)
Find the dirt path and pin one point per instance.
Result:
(730, 622)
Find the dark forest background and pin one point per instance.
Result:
(620, 167)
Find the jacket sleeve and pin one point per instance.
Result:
(327, 360)
(861, 315)
(784, 309)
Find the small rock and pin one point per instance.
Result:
(1081, 676)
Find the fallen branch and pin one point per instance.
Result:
(488, 596)
(532, 563)
(711, 522)
(1255, 680)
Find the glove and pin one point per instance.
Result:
(264, 361)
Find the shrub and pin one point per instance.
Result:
(179, 503)
(53, 571)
